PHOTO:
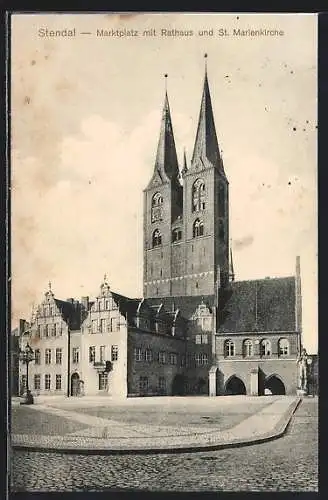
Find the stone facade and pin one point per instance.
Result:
(196, 330)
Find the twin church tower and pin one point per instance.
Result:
(186, 213)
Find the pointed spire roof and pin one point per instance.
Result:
(206, 143)
(166, 157)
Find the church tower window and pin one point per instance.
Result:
(198, 196)
(157, 238)
(157, 207)
(198, 228)
(176, 234)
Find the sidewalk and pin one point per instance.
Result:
(107, 436)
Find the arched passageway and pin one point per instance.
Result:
(274, 386)
(235, 386)
(75, 384)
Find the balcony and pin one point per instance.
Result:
(103, 366)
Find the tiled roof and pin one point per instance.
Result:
(266, 305)
(73, 313)
(127, 307)
(186, 304)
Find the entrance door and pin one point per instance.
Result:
(75, 384)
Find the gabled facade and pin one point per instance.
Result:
(196, 329)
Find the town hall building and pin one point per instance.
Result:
(196, 330)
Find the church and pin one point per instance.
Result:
(196, 330)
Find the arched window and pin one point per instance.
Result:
(198, 228)
(247, 348)
(157, 238)
(229, 348)
(198, 196)
(265, 347)
(157, 207)
(283, 346)
(176, 234)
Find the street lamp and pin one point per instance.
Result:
(26, 355)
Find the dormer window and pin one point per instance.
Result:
(198, 228)
(157, 238)
(157, 208)
(176, 235)
(198, 196)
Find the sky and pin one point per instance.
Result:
(85, 119)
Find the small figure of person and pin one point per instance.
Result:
(303, 368)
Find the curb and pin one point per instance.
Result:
(278, 431)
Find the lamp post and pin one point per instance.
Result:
(26, 355)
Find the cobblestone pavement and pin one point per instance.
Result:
(286, 464)
(25, 420)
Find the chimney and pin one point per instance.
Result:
(85, 303)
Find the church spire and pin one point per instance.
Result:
(206, 143)
(166, 158)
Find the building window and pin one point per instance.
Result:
(55, 329)
(102, 353)
(102, 325)
(176, 234)
(148, 355)
(138, 354)
(37, 357)
(46, 331)
(201, 339)
(157, 207)
(37, 382)
(162, 357)
(157, 238)
(38, 331)
(47, 382)
(143, 384)
(182, 360)
(201, 358)
(107, 305)
(102, 381)
(161, 385)
(92, 354)
(229, 348)
(283, 347)
(94, 325)
(118, 325)
(198, 228)
(59, 356)
(114, 353)
(173, 358)
(48, 356)
(198, 196)
(247, 348)
(76, 354)
(265, 347)
(58, 382)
